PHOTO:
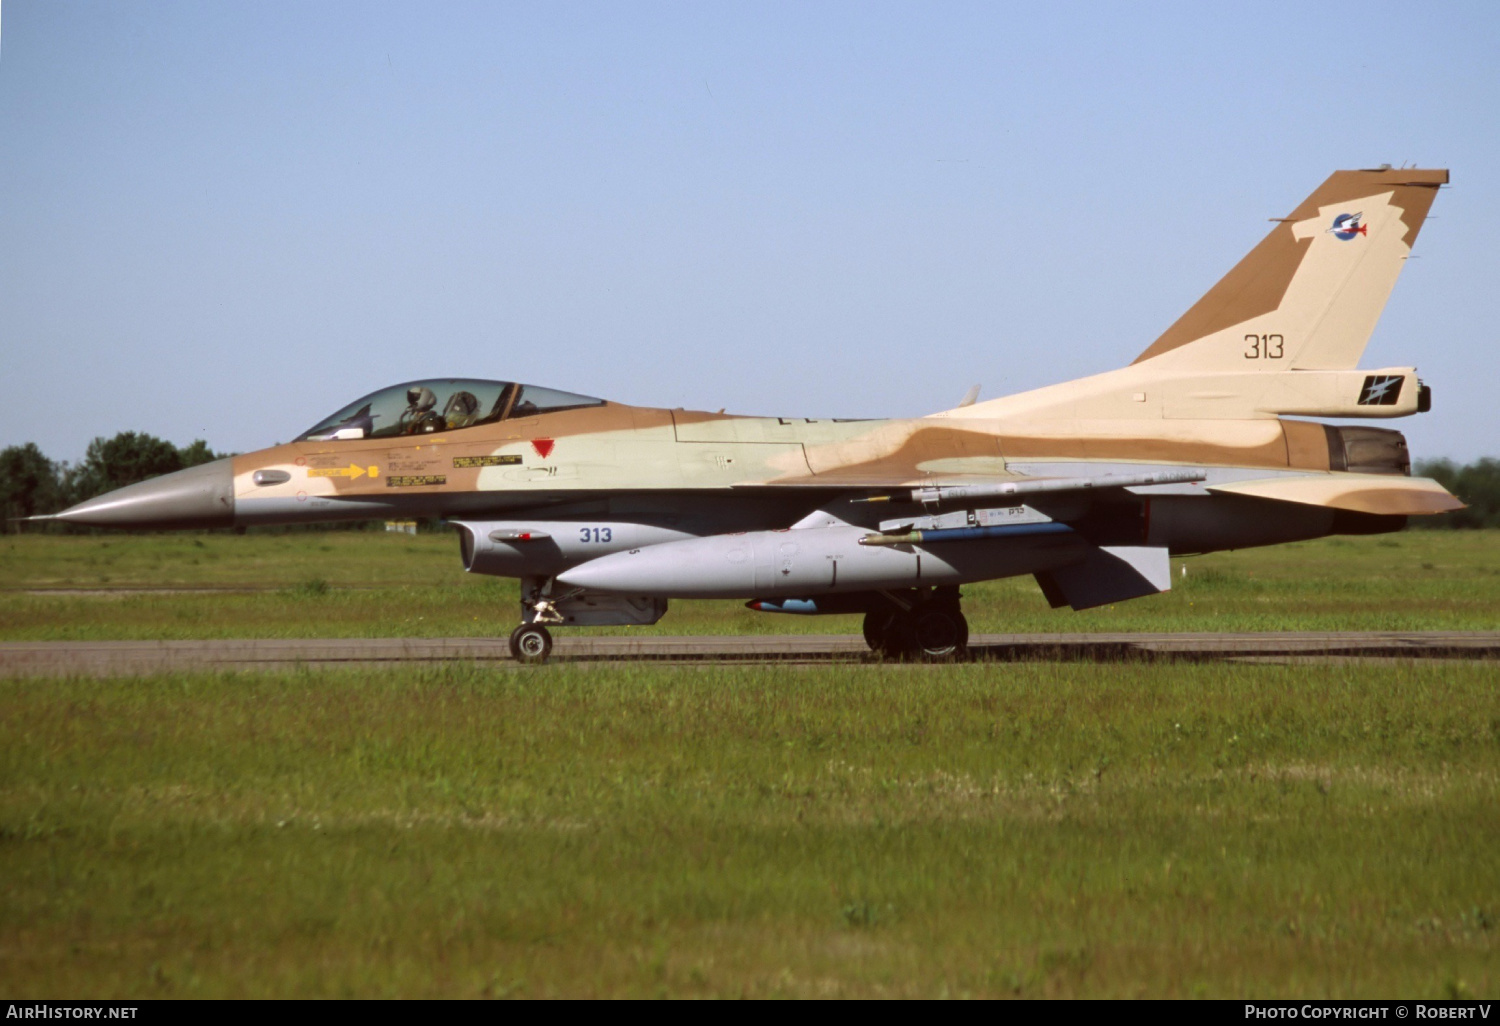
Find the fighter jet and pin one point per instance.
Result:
(605, 511)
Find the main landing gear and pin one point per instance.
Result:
(933, 630)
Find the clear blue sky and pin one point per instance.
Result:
(227, 219)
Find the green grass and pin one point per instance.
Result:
(351, 584)
(847, 830)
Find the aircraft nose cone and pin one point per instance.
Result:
(201, 496)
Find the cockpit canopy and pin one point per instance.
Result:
(441, 404)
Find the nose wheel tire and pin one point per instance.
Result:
(530, 643)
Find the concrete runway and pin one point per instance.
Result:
(130, 658)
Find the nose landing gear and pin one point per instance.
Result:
(544, 605)
(530, 643)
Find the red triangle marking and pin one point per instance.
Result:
(543, 446)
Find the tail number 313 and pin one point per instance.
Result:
(595, 534)
(1264, 347)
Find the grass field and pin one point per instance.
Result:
(356, 584)
(1037, 829)
(1031, 829)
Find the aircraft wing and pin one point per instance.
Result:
(1360, 493)
(958, 487)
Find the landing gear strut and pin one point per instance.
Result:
(545, 604)
(530, 643)
(932, 630)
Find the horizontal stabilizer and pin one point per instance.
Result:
(1360, 493)
(1112, 573)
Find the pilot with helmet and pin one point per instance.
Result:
(419, 416)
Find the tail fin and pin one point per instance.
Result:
(1280, 334)
(1307, 297)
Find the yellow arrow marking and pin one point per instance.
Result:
(351, 471)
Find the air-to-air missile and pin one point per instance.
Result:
(606, 511)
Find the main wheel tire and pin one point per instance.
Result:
(937, 633)
(876, 623)
(530, 643)
(896, 639)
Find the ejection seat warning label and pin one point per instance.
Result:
(466, 462)
(415, 480)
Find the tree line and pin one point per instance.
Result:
(30, 483)
(1476, 483)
